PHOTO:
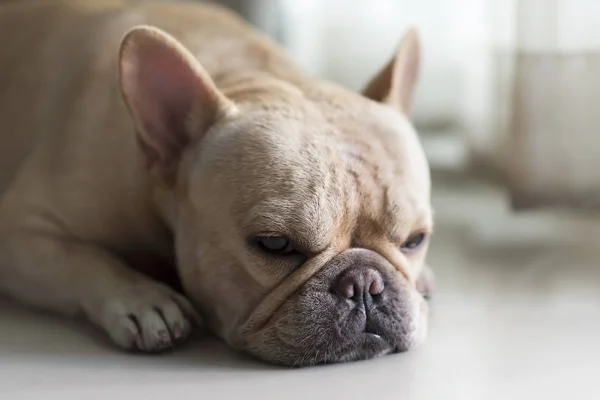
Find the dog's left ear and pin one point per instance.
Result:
(395, 83)
(170, 96)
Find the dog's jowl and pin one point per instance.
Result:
(295, 213)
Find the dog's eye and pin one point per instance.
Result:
(275, 245)
(414, 242)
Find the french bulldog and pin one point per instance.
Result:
(296, 213)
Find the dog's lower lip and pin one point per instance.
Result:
(372, 335)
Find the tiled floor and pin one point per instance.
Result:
(516, 316)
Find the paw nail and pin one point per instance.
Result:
(177, 331)
(164, 337)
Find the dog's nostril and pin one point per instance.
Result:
(376, 287)
(356, 283)
(346, 289)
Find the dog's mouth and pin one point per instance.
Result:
(363, 313)
(367, 346)
(333, 335)
(362, 346)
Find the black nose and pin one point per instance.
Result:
(359, 284)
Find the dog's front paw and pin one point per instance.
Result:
(148, 317)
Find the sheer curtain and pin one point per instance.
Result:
(541, 133)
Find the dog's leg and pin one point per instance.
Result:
(53, 272)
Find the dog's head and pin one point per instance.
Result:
(301, 212)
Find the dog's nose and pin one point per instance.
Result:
(359, 284)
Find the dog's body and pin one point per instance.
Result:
(80, 191)
(59, 83)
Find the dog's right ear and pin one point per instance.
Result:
(395, 83)
(170, 96)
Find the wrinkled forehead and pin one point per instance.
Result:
(387, 167)
(271, 163)
(386, 138)
(303, 171)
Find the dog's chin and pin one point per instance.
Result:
(365, 347)
(307, 344)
